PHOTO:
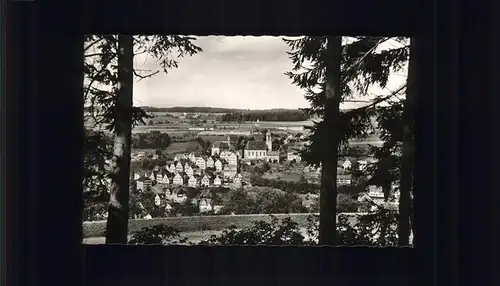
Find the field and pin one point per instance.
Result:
(193, 224)
(174, 148)
(290, 177)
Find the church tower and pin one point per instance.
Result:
(269, 143)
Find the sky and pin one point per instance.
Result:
(232, 72)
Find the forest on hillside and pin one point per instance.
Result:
(274, 115)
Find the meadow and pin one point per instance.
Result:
(199, 223)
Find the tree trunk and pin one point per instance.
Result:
(117, 223)
(328, 197)
(408, 149)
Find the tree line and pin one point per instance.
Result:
(151, 140)
(301, 187)
(278, 115)
(189, 109)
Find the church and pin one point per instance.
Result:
(255, 150)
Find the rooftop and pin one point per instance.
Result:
(221, 145)
(256, 145)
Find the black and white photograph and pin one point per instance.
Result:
(248, 140)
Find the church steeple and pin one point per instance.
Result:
(269, 142)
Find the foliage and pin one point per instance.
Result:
(354, 151)
(301, 187)
(261, 169)
(100, 91)
(374, 229)
(345, 203)
(238, 202)
(186, 209)
(264, 201)
(151, 140)
(261, 233)
(273, 201)
(97, 150)
(95, 205)
(158, 234)
(370, 68)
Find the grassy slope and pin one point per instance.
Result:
(194, 223)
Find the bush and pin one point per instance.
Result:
(374, 229)
(261, 233)
(158, 234)
(300, 187)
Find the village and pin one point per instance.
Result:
(224, 167)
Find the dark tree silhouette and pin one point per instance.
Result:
(117, 224)
(109, 75)
(360, 68)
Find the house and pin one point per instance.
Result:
(179, 167)
(217, 182)
(218, 165)
(143, 183)
(293, 155)
(230, 157)
(168, 208)
(136, 176)
(180, 157)
(178, 180)
(201, 162)
(376, 194)
(205, 181)
(210, 162)
(343, 180)
(188, 170)
(205, 205)
(171, 168)
(192, 157)
(237, 179)
(157, 200)
(229, 171)
(255, 150)
(220, 146)
(347, 164)
(155, 157)
(273, 156)
(192, 181)
(161, 179)
(180, 198)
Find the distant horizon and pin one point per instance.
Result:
(219, 107)
(230, 108)
(243, 72)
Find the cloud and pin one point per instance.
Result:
(231, 72)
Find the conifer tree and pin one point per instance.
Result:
(331, 74)
(108, 88)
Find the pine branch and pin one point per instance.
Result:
(91, 44)
(141, 77)
(378, 100)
